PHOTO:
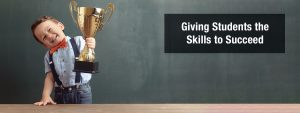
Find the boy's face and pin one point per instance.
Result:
(50, 33)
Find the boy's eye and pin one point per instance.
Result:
(44, 38)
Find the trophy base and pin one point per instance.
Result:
(86, 67)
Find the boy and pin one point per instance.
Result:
(59, 64)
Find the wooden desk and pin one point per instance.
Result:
(152, 108)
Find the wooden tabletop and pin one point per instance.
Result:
(151, 108)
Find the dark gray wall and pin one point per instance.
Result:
(134, 67)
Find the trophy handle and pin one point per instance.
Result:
(73, 7)
(110, 8)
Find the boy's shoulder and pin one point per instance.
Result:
(78, 39)
(46, 57)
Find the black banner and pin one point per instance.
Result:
(224, 33)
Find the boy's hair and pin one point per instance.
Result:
(38, 22)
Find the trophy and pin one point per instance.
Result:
(89, 20)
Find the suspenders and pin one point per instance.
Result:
(55, 75)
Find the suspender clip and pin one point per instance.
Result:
(77, 85)
(62, 87)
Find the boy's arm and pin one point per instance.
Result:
(48, 86)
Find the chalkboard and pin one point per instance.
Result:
(134, 67)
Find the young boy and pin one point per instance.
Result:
(70, 87)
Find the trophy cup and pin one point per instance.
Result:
(89, 20)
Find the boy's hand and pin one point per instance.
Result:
(91, 43)
(45, 100)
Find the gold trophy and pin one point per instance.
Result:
(89, 20)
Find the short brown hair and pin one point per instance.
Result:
(38, 22)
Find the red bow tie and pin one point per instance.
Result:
(62, 44)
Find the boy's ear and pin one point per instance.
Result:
(61, 25)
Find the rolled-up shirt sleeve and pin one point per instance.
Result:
(46, 61)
